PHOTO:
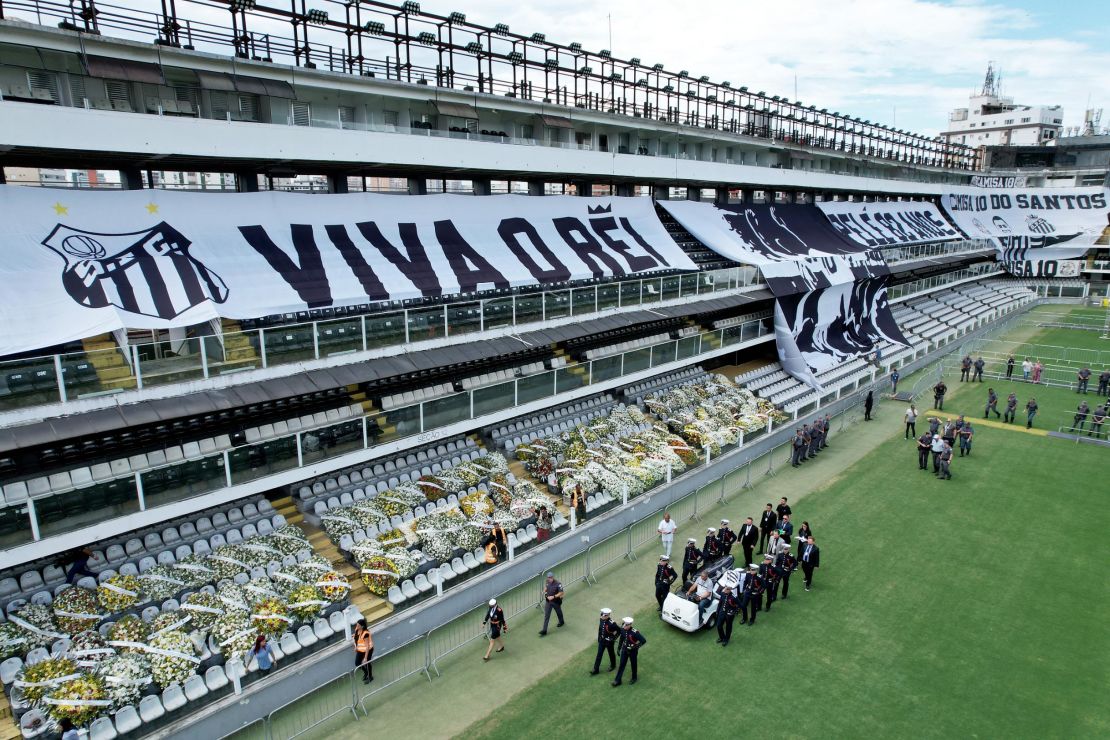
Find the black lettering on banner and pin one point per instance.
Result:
(354, 258)
(636, 263)
(642, 242)
(508, 230)
(874, 225)
(414, 264)
(586, 246)
(1098, 200)
(471, 269)
(307, 278)
(845, 225)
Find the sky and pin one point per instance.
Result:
(904, 63)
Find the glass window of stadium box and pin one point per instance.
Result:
(183, 480)
(331, 441)
(264, 458)
(174, 360)
(289, 344)
(15, 526)
(534, 387)
(339, 336)
(529, 308)
(493, 398)
(385, 330)
(83, 507)
(497, 312)
(608, 296)
(428, 323)
(556, 304)
(464, 318)
(584, 300)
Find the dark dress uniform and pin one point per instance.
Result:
(607, 633)
(725, 539)
(664, 576)
(711, 548)
(726, 612)
(815, 435)
(630, 643)
(770, 578)
(691, 556)
(786, 564)
(751, 600)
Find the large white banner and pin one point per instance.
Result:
(1031, 218)
(81, 263)
(897, 223)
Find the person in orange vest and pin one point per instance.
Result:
(491, 552)
(364, 650)
(495, 624)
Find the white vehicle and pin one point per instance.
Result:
(682, 612)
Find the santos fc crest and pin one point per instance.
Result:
(146, 272)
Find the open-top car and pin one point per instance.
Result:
(681, 609)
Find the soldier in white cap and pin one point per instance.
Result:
(691, 556)
(725, 538)
(607, 634)
(664, 578)
(630, 643)
(495, 624)
(711, 548)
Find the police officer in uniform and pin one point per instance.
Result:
(752, 598)
(924, 447)
(607, 633)
(711, 548)
(664, 576)
(806, 439)
(1011, 408)
(725, 538)
(815, 435)
(726, 612)
(630, 643)
(691, 556)
(797, 444)
(826, 425)
(786, 564)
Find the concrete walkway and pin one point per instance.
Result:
(471, 689)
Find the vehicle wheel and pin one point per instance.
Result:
(711, 622)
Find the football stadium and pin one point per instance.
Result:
(369, 370)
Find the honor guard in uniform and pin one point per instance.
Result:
(770, 579)
(630, 643)
(726, 612)
(607, 634)
(691, 556)
(797, 445)
(751, 600)
(664, 576)
(786, 564)
(806, 439)
(725, 538)
(711, 548)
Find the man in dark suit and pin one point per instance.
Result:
(811, 560)
(749, 536)
(786, 529)
(767, 524)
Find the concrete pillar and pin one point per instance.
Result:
(720, 196)
(660, 192)
(418, 186)
(535, 187)
(583, 188)
(482, 186)
(693, 193)
(131, 178)
(626, 190)
(337, 184)
(246, 182)
(3, 179)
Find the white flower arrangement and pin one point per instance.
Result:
(173, 619)
(172, 657)
(37, 680)
(203, 609)
(194, 571)
(124, 676)
(260, 588)
(227, 562)
(78, 700)
(162, 582)
(13, 641)
(233, 634)
(288, 540)
(37, 624)
(232, 598)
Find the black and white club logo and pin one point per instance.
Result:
(1038, 225)
(146, 272)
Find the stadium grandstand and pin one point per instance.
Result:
(371, 290)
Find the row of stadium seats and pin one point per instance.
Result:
(147, 542)
(638, 391)
(582, 345)
(615, 349)
(528, 426)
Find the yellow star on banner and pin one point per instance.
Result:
(60, 209)
(152, 208)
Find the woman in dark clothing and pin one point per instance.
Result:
(868, 403)
(578, 503)
(495, 623)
